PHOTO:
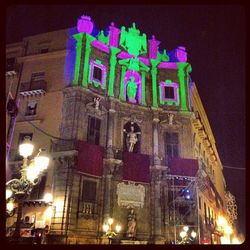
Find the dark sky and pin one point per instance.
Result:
(214, 37)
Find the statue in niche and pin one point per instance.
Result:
(170, 118)
(131, 230)
(131, 138)
(131, 89)
(97, 103)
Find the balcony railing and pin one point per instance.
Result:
(33, 88)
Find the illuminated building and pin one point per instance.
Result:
(126, 130)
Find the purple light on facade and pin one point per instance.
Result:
(85, 24)
(144, 60)
(168, 65)
(153, 47)
(101, 46)
(178, 55)
(181, 54)
(173, 85)
(124, 55)
(113, 35)
(91, 76)
(137, 77)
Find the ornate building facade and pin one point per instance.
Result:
(127, 134)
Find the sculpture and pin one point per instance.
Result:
(131, 139)
(97, 103)
(131, 89)
(131, 231)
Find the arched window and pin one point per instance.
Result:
(131, 137)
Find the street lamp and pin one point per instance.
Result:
(186, 236)
(107, 228)
(18, 189)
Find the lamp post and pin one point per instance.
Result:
(187, 237)
(18, 189)
(107, 228)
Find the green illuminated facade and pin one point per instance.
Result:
(130, 133)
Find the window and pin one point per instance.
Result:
(172, 142)
(37, 192)
(89, 191)
(31, 108)
(205, 212)
(169, 92)
(199, 202)
(94, 125)
(209, 216)
(97, 74)
(37, 76)
(10, 64)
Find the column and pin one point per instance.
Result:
(143, 88)
(158, 232)
(110, 124)
(78, 38)
(183, 69)
(154, 82)
(107, 196)
(122, 96)
(113, 61)
(89, 39)
(156, 141)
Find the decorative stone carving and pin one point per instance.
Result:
(95, 107)
(170, 122)
(130, 195)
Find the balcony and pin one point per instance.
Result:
(33, 88)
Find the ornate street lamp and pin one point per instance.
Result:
(187, 237)
(18, 189)
(107, 228)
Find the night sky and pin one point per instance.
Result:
(214, 37)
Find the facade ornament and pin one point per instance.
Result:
(97, 102)
(170, 118)
(95, 107)
(130, 195)
(231, 207)
(131, 228)
(132, 138)
(132, 41)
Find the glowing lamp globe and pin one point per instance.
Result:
(32, 173)
(221, 222)
(105, 227)
(110, 221)
(118, 228)
(10, 206)
(48, 197)
(183, 234)
(41, 161)
(228, 230)
(26, 148)
(193, 234)
(8, 193)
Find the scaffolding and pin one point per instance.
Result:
(182, 200)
